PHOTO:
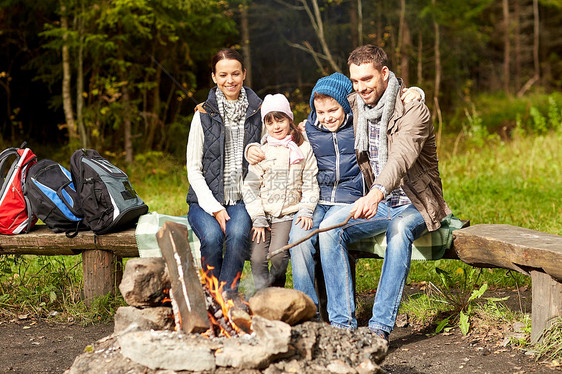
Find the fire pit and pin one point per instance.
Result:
(180, 323)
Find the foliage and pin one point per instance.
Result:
(550, 346)
(460, 296)
(49, 287)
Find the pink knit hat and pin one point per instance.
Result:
(276, 103)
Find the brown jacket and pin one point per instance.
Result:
(412, 160)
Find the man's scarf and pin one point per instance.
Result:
(233, 113)
(382, 112)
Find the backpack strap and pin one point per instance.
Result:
(4, 156)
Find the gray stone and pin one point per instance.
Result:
(367, 367)
(167, 351)
(155, 318)
(273, 339)
(274, 334)
(283, 304)
(340, 367)
(144, 281)
(244, 356)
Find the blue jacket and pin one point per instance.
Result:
(213, 147)
(339, 177)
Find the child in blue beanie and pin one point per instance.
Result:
(329, 129)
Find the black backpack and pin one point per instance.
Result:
(108, 200)
(53, 198)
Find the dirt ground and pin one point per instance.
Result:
(37, 346)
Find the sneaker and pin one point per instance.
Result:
(380, 333)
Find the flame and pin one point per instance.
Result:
(216, 289)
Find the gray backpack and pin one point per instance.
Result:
(108, 200)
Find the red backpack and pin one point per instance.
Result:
(15, 211)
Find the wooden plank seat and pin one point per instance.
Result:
(101, 254)
(527, 251)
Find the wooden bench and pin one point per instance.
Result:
(527, 251)
(101, 254)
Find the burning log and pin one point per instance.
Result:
(186, 286)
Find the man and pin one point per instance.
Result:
(396, 151)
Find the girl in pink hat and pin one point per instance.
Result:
(278, 188)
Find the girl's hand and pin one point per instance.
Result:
(259, 232)
(306, 222)
(222, 216)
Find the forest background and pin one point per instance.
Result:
(124, 76)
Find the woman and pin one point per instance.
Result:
(221, 128)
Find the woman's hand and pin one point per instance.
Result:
(410, 94)
(222, 216)
(306, 222)
(259, 232)
(254, 155)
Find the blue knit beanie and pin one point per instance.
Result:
(337, 86)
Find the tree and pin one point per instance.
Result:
(315, 17)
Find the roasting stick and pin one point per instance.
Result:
(317, 231)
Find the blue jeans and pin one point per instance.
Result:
(402, 225)
(302, 255)
(235, 242)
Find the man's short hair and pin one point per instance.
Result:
(368, 53)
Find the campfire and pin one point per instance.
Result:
(224, 316)
(179, 320)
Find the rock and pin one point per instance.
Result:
(340, 367)
(274, 334)
(144, 281)
(167, 351)
(283, 304)
(156, 318)
(244, 356)
(367, 367)
(241, 319)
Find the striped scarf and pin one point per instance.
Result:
(382, 112)
(233, 113)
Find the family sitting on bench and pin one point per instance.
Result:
(370, 154)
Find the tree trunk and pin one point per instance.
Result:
(420, 59)
(127, 128)
(536, 38)
(405, 55)
(66, 77)
(356, 23)
(517, 43)
(436, 108)
(153, 117)
(318, 25)
(245, 33)
(437, 52)
(353, 14)
(80, 82)
(398, 50)
(536, 75)
(506, 48)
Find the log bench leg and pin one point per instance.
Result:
(99, 274)
(546, 303)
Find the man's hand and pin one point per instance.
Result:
(255, 155)
(366, 207)
(306, 222)
(409, 94)
(302, 125)
(259, 232)
(222, 216)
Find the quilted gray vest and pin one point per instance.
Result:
(213, 143)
